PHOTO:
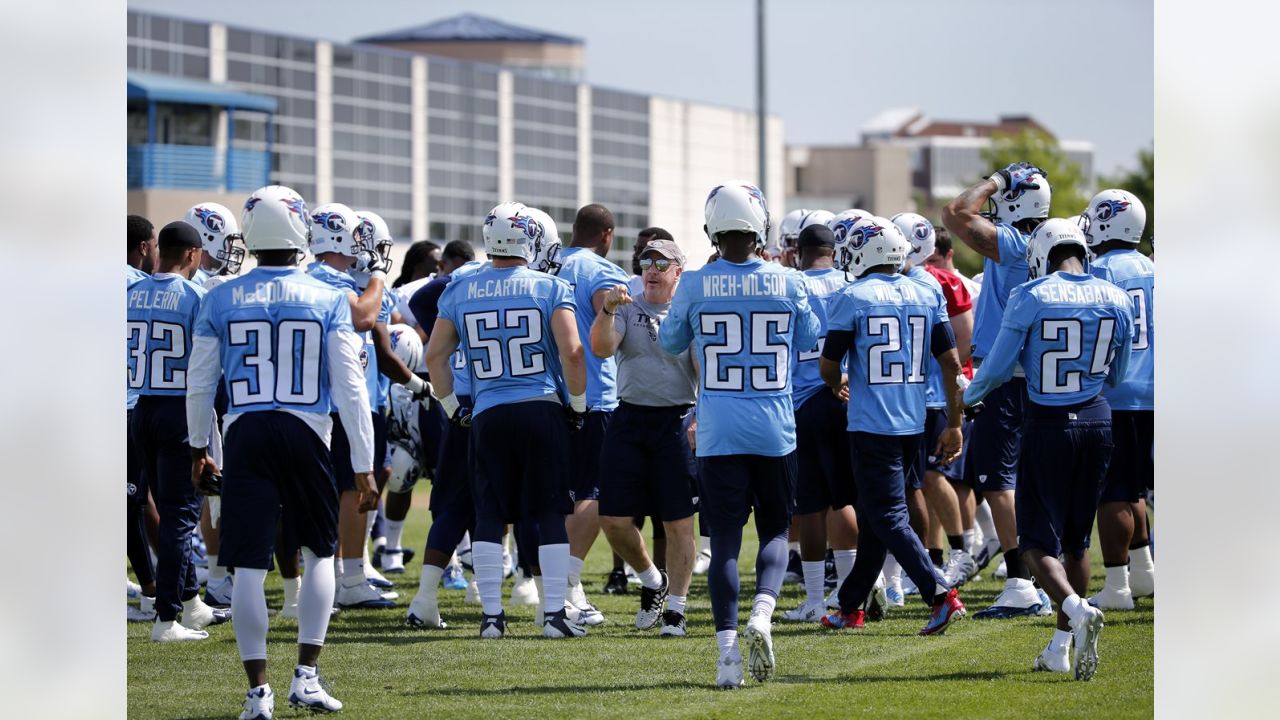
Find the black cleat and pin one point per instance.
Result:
(617, 584)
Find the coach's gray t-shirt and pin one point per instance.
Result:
(647, 374)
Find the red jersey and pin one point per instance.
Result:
(958, 299)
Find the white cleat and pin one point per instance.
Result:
(1002, 571)
(145, 612)
(586, 614)
(959, 568)
(1113, 598)
(760, 647)
(375, 578)
(558, 625)
(197, 615)
(729, 672)
(218, 594)
(306, 691)
(524, 591)
(425, 613)
(702, 562)
(1142, 580)
(393, 562)
(289, 611)
(259, 704)
(172, 631)
(132, 590)
(1053, 661)
(806, 612)
(472, 596)
(1085, 630)
(362, 595)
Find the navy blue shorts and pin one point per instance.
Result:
(1132, 469)
(935, 421)
(824, 478)
(731, 486)
(520, 454)
(451, 486)
(431, 427)
(135, 481)
(340, 451)
(158, 431)
(585, 447)
(991, 464)
(277, 471)
(380, 459)
(1065, 453)
(648, 461)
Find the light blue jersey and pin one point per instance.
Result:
(461, 370)
(368, 356)
(131, 276)
(587, 273)
(161, 314)
(380, 396)
(1071, 334)
(998, 279)
(822, 285)
(935, 395)
(1134, 273)
(273, 325)
(503, 319)
(201, 277)
(745, 321)
(892, 319)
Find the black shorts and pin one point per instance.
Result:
(520, 453)
(935, 421)
(431, 427)
(647, 464)
(277, 471)
(158, 432)
(824, 477)
(584, 447)
(991, 464)
(135, 481)
(731, 486)
(1132, 470)
(881, 465)
(451, 486)
(380, 459)
(1065, 455)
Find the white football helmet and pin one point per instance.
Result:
(275, 218)
(789, 228)
(1011, 206)
(404, 469)
(219, 230)
(868, 242)
(546, 256)
(337, 229)
(737, 205)
(1114, 215)
(919, 233)
(815, 217)
(377, 236)
(841, 223)
(510, 230)
(1050, 234)
(901, 242)
(406, 344)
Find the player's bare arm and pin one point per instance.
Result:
(962, 216)
(951, 442)
(365, 307)
(444, 340)
(962, 325)
(565, 330)
(605, 338)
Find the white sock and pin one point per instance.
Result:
(368, 527)
(1073, 606)
(337, 567)
(307, 670)
(315, 598)
(291, 586)
(395, 533)
(487, 559)
(793, 547)
(844, 563)
(352, 572)
(249, 606)
(815, 575)
(575, 569)
(969, 536)
(651, 578)
(1061, 640)
(429, 583)
(189, 606)
(554, 561)
(764, 605)
(704, 544)
(537, 583)
(727, 640)
(1118, 577)
(216, 573)
(675, 603)
(892, 570)
(983, 517)
(1140, 560)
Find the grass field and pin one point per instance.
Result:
(381, 669)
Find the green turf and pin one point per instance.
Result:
(381, 669)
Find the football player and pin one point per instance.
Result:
(516, 329)
(161, 315)
(824, 481)
(1071, 332)
(1020, 194)
(884, 323)
(1114, 223)
(220, 237)
(590, 275)
(421, 263)
(284, 345)
(141, 260)
(745, 317)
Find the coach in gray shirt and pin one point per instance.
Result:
(646, 450)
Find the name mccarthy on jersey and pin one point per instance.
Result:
(159, 300)
(754, 285)
(505, 287)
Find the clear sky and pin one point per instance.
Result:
(1084, 69)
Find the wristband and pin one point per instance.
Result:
(449, 403)
(998, 179)
(578, 403)
(416, 385)
(380, 275)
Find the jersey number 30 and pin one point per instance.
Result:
(284, 358)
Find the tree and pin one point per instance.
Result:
(1142, 183)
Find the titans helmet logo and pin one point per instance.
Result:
(211, 219)
(921, 231)
(1108, 209)
(843, 226)
(531, 228)
(296, 206)
(251, 202)
(858, 237)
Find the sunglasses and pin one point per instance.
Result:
(662, 264)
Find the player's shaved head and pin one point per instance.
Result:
(593, 227)
(140, 230)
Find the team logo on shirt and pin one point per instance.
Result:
(331, 221)
(1108, 209)
(859, 237)
(531, 228)
(211, 219)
